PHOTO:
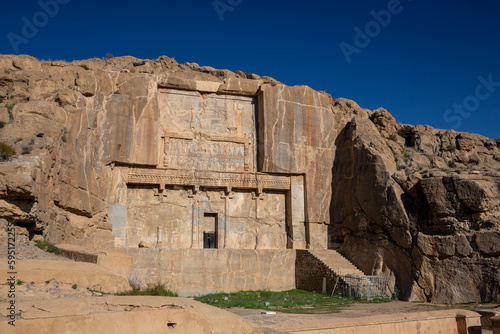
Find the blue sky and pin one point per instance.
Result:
(427, 62)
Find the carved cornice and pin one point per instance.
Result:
(207, 179)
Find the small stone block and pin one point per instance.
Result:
(495, 324)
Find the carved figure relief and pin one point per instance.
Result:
(198, 152)
(207, 132)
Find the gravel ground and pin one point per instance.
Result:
(31, 252)
(26, 249)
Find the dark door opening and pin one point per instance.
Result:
(209, 240)
(210, 230)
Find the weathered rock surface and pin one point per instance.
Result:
(112, 314)
(415, 203)
(423, 209)
(297, 136)
(85, 275)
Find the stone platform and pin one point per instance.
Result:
(192, 272)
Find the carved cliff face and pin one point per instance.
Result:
(156, 152)
(125, 151)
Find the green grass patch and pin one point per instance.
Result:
(405, 132)
(405, 154)
(63, 137)
(47, 247)
(9, 107)
(154, 290)
(9, 110)
(291, 301)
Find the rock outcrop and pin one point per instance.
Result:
(415, 203)
(421, 205)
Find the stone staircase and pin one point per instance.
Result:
(317, 267)
(336, 262)
(341, 268)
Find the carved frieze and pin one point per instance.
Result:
(208, 179)
(187, 151)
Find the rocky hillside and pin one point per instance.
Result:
(418, 204)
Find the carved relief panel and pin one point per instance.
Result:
(207, 132)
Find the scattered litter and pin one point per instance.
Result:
(268, 312)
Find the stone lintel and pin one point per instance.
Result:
(240, 86)
(173, 82)
(207, 179)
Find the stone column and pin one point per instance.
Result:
(257, 197)
(196, 222)
(296, 215)
(228, 194)
(159, 237)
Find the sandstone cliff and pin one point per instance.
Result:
(418, 204)
(71, 123)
